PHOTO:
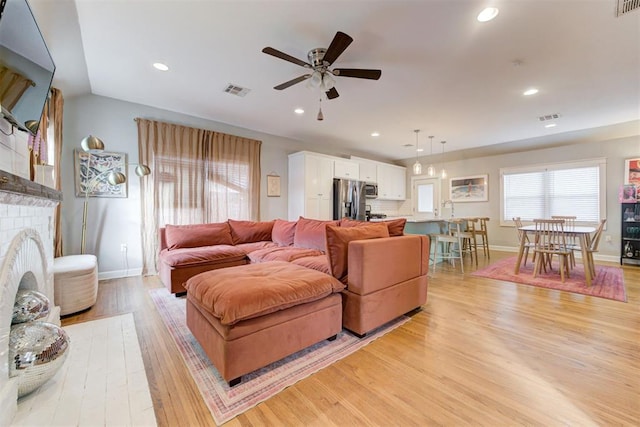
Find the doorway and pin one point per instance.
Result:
(426, 196)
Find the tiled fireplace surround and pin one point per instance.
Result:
(26, 262)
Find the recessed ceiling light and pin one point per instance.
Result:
(298, 111)
(375, 133)
(160, 66)
(550, 125)
(419, 150)
(531, 91)
(487, 14)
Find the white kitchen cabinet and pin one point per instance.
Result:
(368, 172)
(391, 182)
(346, 169)
(310, 187)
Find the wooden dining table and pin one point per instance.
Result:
(581, 232)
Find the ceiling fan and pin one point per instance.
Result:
(320, 59)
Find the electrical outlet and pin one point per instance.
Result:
(607, 238)
(123, 247)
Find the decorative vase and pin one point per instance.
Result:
(29, 306)
(36, 351)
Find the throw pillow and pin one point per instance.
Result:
(250, 231)
(283, 232)
(338, 239)
(310, 233)
(348, 222)
(196, 235)
(396, 226)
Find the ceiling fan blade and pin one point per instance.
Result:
(339, 43)
(275, 52)
(292, 82)
(332, 93)
(358, 73)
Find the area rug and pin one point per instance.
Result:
(226, 403)
(608, 283)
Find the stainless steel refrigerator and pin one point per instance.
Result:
(349, 199)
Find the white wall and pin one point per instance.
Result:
(614, 150)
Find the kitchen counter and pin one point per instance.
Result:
(415, 220)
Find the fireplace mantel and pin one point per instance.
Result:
(18, 186)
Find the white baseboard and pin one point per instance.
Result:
(596, 256)
(118, 274)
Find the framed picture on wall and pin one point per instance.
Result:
(273, 186)
(92, 173)
(632, 172)
(473, 188)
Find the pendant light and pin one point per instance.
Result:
(417, 166)
(431, 171)
(443, 174)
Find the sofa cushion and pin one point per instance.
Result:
(250, 247)
(197, 235)
(281, 254)
(396, 226)
(250, 231)
(348, 222)
(317, 262)
(239, 293)
(310, 233)
(185, 257)
(338, 239)
(283, 232)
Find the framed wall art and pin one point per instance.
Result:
(632, 172)
(273, 186)
(469, 189)
(92, 171)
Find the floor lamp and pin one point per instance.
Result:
(94, 145)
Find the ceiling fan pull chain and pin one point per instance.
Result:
(320, 116)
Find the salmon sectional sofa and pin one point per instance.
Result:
(260, 291)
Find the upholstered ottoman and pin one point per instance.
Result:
(75, 282)
(249, 316)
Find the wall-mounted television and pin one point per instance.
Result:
(26, 66)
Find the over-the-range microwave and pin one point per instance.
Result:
(371, 191)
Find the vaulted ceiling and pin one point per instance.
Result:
(443, 72)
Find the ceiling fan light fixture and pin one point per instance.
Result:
(315, 81)
(328, 81)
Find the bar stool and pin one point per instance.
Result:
(482, 232)
(451, 244)
(468, 235)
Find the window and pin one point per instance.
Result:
(554, 189)
(426, 196)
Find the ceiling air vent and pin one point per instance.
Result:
(626, 6)
(408, 145)
(237, 90)
(548, 117)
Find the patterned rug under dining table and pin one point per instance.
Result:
(581, 232)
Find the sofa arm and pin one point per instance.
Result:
(379, 263)
(162, 239)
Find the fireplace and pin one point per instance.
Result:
(26, 262)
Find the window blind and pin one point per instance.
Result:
(547, 190)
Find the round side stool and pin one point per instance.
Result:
(75, 282)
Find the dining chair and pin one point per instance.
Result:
(572, 240)
(593, 247)
(468, 236)
(527, 243)
(451, 244)
(482, 232)
(550, 240)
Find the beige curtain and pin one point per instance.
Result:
(197, 176)
(12, 86)
(56, 108)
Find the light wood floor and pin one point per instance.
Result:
(480, 352)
